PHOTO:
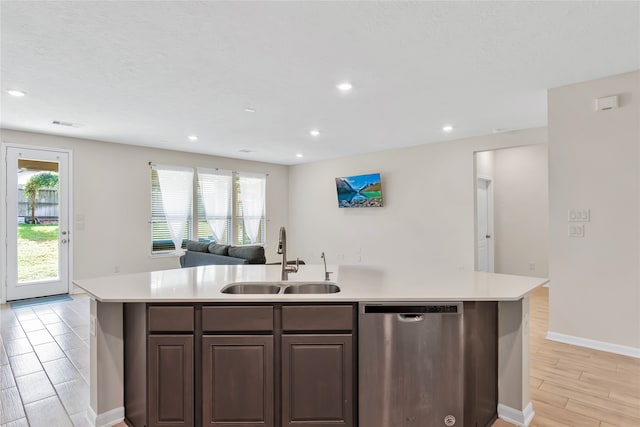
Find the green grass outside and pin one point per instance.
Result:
(37, 252)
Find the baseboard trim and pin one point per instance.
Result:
(596, 345)
(515, 416)
(105, 419)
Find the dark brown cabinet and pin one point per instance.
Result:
(317, 380)
(318, 366)
(237, 380)
(171, 380)
(231, 365)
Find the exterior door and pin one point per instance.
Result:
(484, 225)
(37, 222)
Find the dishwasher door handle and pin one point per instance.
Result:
(410, 317)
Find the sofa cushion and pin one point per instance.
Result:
(253, 254)
(194, 259)
(197, 246)
(218, 249)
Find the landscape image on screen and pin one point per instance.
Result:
(362, 191)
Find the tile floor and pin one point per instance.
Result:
(44, 364)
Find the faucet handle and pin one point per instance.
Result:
(326, 275)
(297, 264)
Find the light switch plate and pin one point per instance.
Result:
(576, 230)
(579, 215)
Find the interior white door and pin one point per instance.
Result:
(484, 225)
(37, 244)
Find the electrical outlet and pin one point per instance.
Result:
(93, 328)
(576, 230)
(532, 266)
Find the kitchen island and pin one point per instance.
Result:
(198, 287)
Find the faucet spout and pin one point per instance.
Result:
(326, 273)
(282, 242)
(282, 250)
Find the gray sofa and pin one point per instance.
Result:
(213, 253)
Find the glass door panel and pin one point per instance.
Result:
(38, 220)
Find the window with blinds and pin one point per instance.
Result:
(161, 238)
(228, 208)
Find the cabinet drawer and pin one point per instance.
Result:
(317, 318)
(229, 319)
(170, 319)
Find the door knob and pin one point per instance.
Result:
(488, 236)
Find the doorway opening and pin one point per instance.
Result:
(512, 210)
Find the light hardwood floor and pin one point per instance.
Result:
(576, 386)
(44, 368)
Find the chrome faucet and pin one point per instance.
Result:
(282, 249)
(326, 273)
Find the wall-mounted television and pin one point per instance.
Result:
(361, 191)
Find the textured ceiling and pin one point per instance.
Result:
(151, 73)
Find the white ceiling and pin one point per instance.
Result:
(151, 73)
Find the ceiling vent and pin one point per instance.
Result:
(245, 150)
(67, 124)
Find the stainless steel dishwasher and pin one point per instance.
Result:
(411, 364)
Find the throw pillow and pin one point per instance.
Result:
(218, 249)
(197, 246)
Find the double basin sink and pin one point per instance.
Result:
(249, 288)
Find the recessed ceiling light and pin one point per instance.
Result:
(447, 128)
(15, 92)
(250, 110)
(299, 155)
(344, 86)
(192, 138)
(314, 132)
(245, 150)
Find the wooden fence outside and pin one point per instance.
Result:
(46, 204)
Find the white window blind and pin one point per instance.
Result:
(251, 195)
(176, 192)
(215, 190)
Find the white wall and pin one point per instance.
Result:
(428, 213)
(521, 210)
(112, 185)
(485, 164)
(594, 163)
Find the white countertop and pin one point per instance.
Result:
(357, 283)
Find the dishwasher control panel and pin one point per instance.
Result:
(454, 308)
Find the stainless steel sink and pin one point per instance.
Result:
(312, 288)
(251, 288)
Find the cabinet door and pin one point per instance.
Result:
(317, 380)
(171, 392)
(237, 380)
